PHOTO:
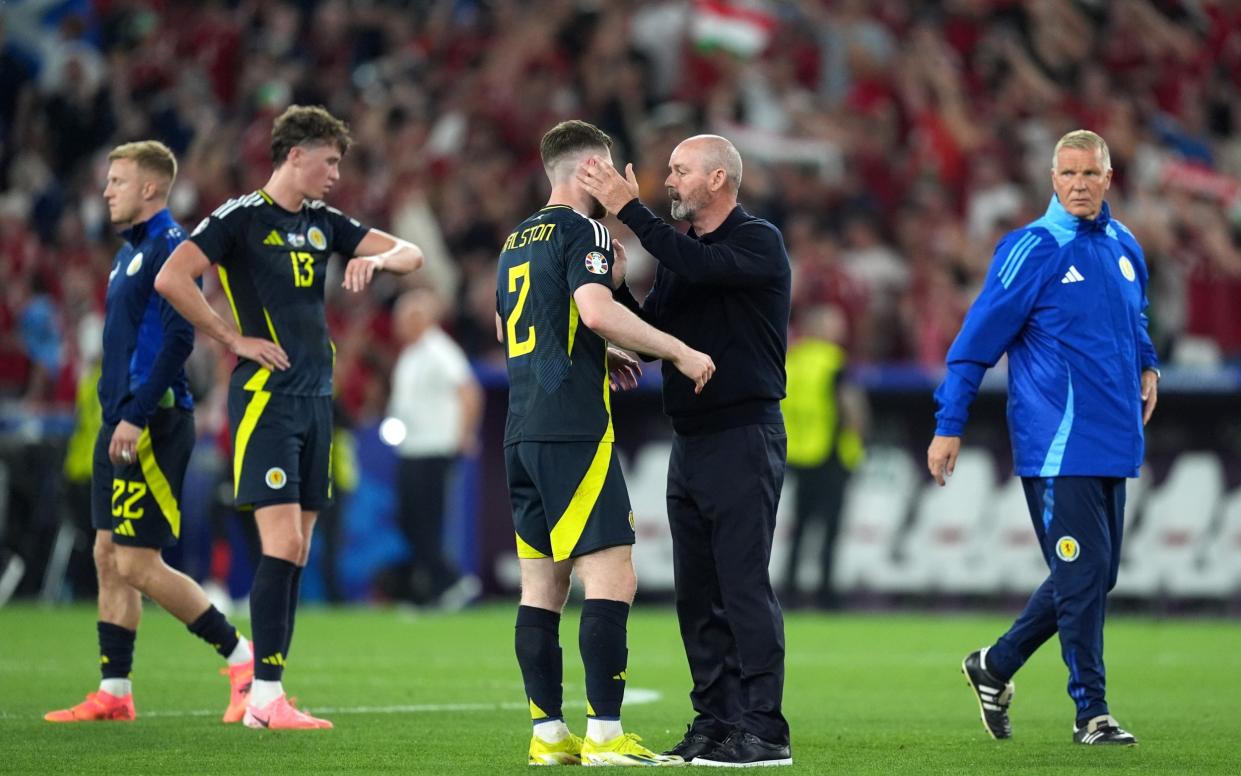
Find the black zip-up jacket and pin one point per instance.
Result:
(726, 294)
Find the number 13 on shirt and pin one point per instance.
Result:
(518, 347)
(303, 269)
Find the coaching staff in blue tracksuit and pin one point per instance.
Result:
(1064, 298)
(723, 288)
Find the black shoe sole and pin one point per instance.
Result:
(760, 764)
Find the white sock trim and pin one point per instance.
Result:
(603, 730)
(551, 731)
(241, 653)
(117, 687)
(264, 692)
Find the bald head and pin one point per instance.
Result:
(715, 153)
(704, 176)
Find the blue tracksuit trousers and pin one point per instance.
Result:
(1079, 522)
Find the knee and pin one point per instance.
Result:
(617, 582)
(134, 567)
(548, 594)
(627, 583)
(105, 561)
(286, 545)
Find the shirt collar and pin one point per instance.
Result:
(1061, 217)
(737, 217)
(139, 231)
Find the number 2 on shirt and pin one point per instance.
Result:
(303, 269)
(519, 347)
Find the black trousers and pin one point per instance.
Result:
(820, 497)
(723, 490)
(420, 514)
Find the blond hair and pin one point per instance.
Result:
(1083, 140)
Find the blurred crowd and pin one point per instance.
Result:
(893, 142)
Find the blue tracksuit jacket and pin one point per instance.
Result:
(1065, 298)
(145, 340)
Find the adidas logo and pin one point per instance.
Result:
(273, 239)
(1072, 276)
(275, 660)
(125, 529)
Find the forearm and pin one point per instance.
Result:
(402, 258)
(184, 294)
(621, 327)
(646, 310)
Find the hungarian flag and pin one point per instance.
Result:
(740, 27)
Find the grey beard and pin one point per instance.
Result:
(681, 210)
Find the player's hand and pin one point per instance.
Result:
(941, 457)
(1150, 394)
(696, 366)
(624, 370)
(265, 353)
(123, 449)
(620, 262)
(360, 270)
(602, 181)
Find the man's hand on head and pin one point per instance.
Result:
(603, 182)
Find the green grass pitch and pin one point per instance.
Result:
(439, 694)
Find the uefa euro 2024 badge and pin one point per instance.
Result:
(596, 263)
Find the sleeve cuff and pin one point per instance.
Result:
(631, 208)
(949, 429)
(130, 416)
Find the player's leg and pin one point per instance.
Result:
(152, 521)
(1092, 521)
(314, 486)
(586, 493)
(536, 639)
(610, 583)
(120, 606)
(309, 520)
(268, 437)
(271, 596)
(990, 670)
(144, 569)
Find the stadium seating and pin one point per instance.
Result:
(1175, 521)
(937, 550)
(1007, 557)
(902, 534)
(876, 505)
(1214, 571)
